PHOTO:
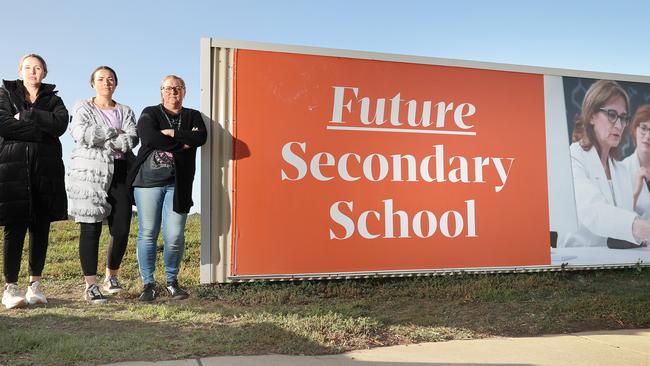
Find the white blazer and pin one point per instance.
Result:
(598, 216)
(642, 206)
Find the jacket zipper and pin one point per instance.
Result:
(29, 181)
(12, 102)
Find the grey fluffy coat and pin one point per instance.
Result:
(91, 170)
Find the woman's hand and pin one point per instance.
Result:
(641, 230)
(186, 146)
(111, 133)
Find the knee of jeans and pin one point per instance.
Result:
(148, 230)
(146, 237)
(175, 241)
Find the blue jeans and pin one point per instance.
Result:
(155, 207)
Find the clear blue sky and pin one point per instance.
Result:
(145, 39)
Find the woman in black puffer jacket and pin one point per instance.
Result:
(32, 188)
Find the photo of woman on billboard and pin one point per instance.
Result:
(603, 187)
(638, 163)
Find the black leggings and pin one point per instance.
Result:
(119, 223)
(14, 238)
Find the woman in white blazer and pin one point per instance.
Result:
(602, 184)
(638, 164)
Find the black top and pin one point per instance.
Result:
(151, 122)
(158, 170)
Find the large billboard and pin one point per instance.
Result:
(326, 163)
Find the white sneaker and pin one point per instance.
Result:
(112, 285)
(35, 294)
(12, 298)
(93, 295)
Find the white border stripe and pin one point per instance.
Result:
(319, 51)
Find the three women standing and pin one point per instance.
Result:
(32, 118)
(104, 132)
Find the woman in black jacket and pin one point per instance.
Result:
(162, 180)
(32, 188)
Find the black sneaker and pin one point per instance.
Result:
(149, 292)
(175, 291)
(94, 296)
(112, 285)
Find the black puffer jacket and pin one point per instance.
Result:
(32, 176)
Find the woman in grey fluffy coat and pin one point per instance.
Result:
(105, 135)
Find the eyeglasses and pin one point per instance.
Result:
(613, 116)
(171, 89)
(643, 130)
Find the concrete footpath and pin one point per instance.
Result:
(628, 347)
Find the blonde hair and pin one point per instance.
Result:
(168, 77)
(598, 94)
(38, 57)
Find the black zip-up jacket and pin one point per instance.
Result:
(32, 175)
(151, 122)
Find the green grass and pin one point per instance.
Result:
(308, 317)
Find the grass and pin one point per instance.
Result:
(302, 317)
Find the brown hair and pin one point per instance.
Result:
(598, 94)
(92, 76)
(38, 57)
(642, 115)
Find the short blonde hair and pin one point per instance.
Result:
(173, 77)
(38, 57)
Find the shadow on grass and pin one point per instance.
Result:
(55, 339)
(311, 317)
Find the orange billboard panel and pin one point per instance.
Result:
(356, 165)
